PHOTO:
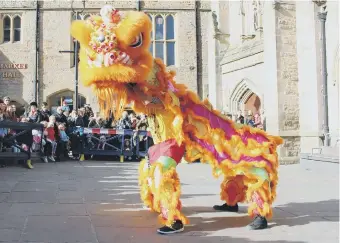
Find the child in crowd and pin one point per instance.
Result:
(65, 140)
(50, 137)
(47, 146)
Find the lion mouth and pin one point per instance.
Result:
(112, 98)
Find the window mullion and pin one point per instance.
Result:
(11, 30)
(165, 55)
(153, 36)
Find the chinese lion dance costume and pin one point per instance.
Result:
(115, 60)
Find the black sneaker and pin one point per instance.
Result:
(176, 227)
(226, 208)
(258, 223)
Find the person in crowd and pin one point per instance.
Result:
(88, 113)
(133, 120)
(64, 140)
(124, 122)
(80, 121)
(66, 114)
(263, 119)
(65, 107)
(11, 115)
(77, 120)
(71, 120)
(33, 115)
(50, 134)
(114, 124)
(45, 112)
(240, 117)
(6, 100)
(251, 120)
(109, 121)
(258, 121)
(248, 117)
(59, 149)
(59, 116)
(97, 122)
(3, 112)
(142, 123)
(47, 146)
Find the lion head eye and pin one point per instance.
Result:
(138, 41)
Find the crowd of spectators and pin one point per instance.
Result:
(257, 120)
(58, 138)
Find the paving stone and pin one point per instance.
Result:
(5, 208)
(58, 229)
(98, 196)
(35, 187)
(109, 235)
(70, 197)
(10, 235)
(12, 222)
(27, 209)
(32, 197)
(68, 186)
(113, 213)
(3, 196)
(5, 187)
(126, 220)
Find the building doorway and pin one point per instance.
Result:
(245, 97)
(253, 104)
(67, 96)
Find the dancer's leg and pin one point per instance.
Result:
(233, 191)
(160, 186)
(166, 190)
(145, 184)
(254, 189)
(260, 207)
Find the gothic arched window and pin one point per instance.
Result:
(7, 29)
(17, 28)
(163, 38)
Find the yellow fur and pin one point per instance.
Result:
(118, 83)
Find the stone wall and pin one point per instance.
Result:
(55, 71)
(21, 88)
(280, 45)
(287, 68)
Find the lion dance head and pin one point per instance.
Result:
(114, 51)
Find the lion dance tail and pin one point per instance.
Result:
(246, 156)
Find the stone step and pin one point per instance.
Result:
(328, 151)
(320, 157)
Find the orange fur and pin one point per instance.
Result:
(112, 85)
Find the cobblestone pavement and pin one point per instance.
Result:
(99, 202)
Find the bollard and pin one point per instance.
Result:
(82, 157)
(121, 159)
(29, 164)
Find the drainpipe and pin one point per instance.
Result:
(36, 72)
(198, 49)
(322, 17)
(76, 64)
(138, 5)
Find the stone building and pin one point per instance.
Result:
(273, 63)
(180, 38)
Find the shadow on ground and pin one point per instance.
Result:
(201, 226)
(140, 222)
